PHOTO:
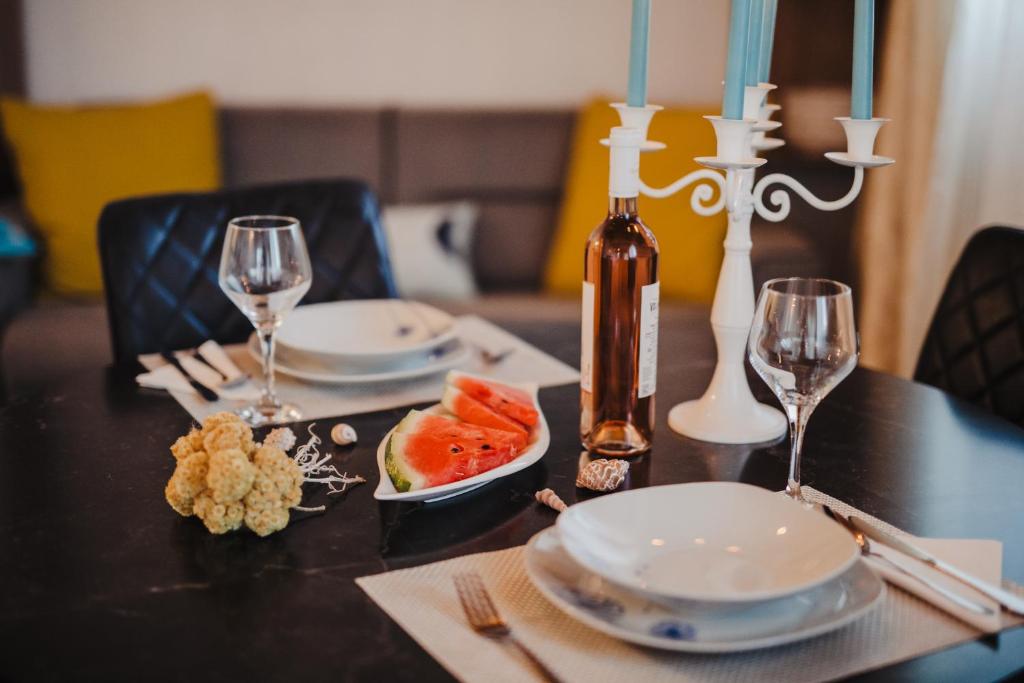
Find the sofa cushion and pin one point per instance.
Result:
(73, 161)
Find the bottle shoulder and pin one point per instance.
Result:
(620, 229)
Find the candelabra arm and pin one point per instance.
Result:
(702, 193)
(780, 198)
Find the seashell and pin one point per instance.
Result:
(343, 434)
(551, 499)
(282, 437)
(602, 474)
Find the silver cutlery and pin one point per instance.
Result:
(484, 618)
(206, 392)
(225, 382)
(865, 549)
(1011, 602)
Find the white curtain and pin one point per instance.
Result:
(954, 85)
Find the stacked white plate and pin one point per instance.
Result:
(371, 340)
(704, 567)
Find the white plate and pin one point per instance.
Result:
(365, 332)
(535, 450)
(688, 626)
(446, 357)
(712, 541)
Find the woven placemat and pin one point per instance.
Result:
(423, 601)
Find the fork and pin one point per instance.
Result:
(865, 549)
(484, 618)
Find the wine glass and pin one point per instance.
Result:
(802, 344)
(265, 271)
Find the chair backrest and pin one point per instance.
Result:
(975, 345)
(160, 257)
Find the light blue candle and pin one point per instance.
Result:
(637, 96)
(754, 42)
(863, 59)
(771, 8)
(736, 61)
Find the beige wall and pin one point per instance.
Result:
(370, 52)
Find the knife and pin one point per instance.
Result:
(206, 392)
(1013, 603)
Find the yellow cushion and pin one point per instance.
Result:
(690, 245)
(74, 160)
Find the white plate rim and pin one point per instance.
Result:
(755, 596)
(609, 629)
(535, 451)
(452, 360)
(375, 355)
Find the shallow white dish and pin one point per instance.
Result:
(710, 541)
(688, 626)
(535, 450)
(442, 359)
(365, 332)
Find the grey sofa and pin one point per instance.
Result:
(510, 163)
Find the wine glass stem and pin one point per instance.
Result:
(268, 399)
(798, 415)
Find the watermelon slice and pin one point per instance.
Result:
(463, 406)
(431, 450)
(509, 401)
(450, 427)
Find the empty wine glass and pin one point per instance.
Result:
(265, 271)
(802, 344)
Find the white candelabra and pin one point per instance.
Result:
(728, 412)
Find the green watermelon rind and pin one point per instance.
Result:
(394, 470)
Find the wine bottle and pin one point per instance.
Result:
(618, 365)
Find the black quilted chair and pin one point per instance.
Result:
(160, 257)
(975, 346)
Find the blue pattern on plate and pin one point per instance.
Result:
(674, 630)
(599, 605)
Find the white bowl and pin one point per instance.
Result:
(709, 541)
(540, 439)
(365, 333)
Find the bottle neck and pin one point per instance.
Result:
(622, 206)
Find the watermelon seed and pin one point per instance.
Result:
(486, 447)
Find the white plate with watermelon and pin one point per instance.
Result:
(481, 431)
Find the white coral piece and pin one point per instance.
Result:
(315, 467)
(282, 437)
(602, 474)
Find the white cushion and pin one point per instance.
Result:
(431, 249)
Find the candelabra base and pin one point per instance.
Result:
(709, 418)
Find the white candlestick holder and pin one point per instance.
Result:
(728, 412)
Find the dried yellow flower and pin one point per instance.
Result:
(182, 448)
(228, 436)
(230, 476)
(187, 482)
(195, 439)
(219, 518)
(276, 487)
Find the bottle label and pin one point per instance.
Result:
(587, 340)
(648, 361)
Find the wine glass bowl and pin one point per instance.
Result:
(265, 271)
(803, 342)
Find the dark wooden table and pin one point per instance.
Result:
(101, 580)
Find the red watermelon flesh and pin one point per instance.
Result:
(509, 401)
(431, 450)
(464, 407)
(447, 426)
